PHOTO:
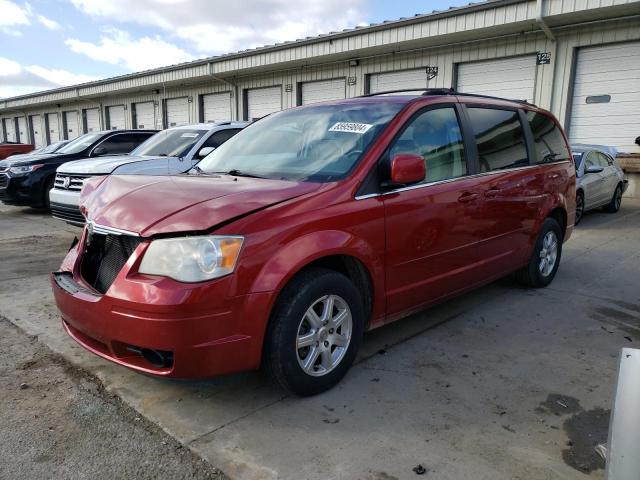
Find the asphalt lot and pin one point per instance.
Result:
(502, 383)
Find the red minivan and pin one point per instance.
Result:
(311, 226)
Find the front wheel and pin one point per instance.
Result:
(614, 205)
(315, 332)
(545, 258)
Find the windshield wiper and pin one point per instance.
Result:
(196, 169)
(239, 173)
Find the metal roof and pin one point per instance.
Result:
(452, 11)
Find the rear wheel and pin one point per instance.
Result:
(315, 332)
(579, 207)
(545, 258)
(614, 205)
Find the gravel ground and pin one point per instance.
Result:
(57, 422)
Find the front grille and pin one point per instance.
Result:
(104, 256)
(68, 213)
(4, 181)
(69, 182)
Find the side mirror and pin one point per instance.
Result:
(205, 151)
(594, 169)
(407, 168)
(99, 151)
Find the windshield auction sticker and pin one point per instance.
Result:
(350, 127)
(189, 135)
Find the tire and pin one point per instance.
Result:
(536, 274)
(48, 185)
(292, 322)
(579, 207)
(614, 205)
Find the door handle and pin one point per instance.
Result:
(468, 197)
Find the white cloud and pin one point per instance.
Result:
(48, 23)
(118, 48)
(12, 16)
(16, 79)
(213, 28)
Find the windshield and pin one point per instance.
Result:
(319, 144)
(80, 143)
(170, 143)
(54, 147)
(577, 158)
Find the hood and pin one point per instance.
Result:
(163, 205)
(101, 165)
(16, 161)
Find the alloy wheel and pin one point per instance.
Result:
(618, 197)
(548, 254)
(579, 208)
(324, 334)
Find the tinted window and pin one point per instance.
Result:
(435, 135)
(123, 143)
(577, 157)
(548, 140)
(80, 143)
(220, 137)
(499, 137)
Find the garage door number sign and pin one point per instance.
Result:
(544, 58)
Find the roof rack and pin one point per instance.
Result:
(445, 91)
(426, 91)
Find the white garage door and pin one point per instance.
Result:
(606, 97)
(23, 132)
(37, 131)
(54, 127)
(71, 125)
(177, 112)
(92, 120)
(145, 116)
(263, 101)
(402, 80)
(10, 129)
(320, 91)
(513, 78)
(115, 117)
(216, 107)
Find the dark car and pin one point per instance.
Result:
(312, 225)
(27, 181)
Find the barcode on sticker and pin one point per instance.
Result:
(351, 127)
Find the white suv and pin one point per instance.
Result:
(168, 152)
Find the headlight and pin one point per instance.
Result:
(192, 259)
(23, 170)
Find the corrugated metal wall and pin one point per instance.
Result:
(553, 81)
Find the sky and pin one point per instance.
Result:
(47, 44)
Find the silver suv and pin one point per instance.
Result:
(168, 152)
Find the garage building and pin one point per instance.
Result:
(579, 59)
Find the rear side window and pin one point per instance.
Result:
(548, 140)
(220, 137)
(499, 137)
(435, 135)
(123, 143)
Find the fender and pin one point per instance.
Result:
(302, 251)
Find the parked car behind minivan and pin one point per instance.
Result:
(27, 181)
(171, 151)
(312, 226)
(600, 180)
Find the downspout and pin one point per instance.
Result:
(542, 22)
(234, 89)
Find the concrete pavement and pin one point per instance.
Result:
(501, 383)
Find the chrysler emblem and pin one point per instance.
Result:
(66, 182)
